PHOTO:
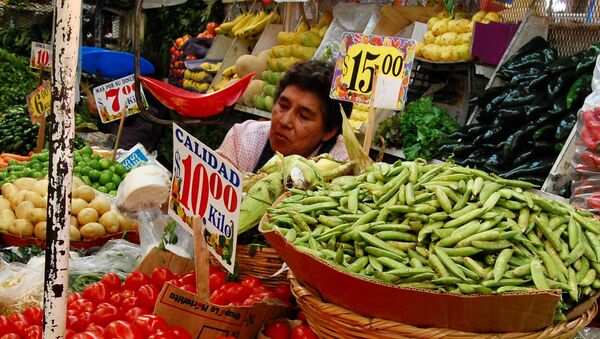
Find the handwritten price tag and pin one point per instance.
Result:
(207, 186)
(39, 102)
(116, 97)
(360, 56)
(41, 55)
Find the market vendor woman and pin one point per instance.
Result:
(304, 121)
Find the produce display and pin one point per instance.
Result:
(419, 131)
(229, 75)
(449, 38)
(522, 125)
(107, 309)
(23, 211)
(18, 80)
(199, 79)
(447, 228)
(359, 116)
(189, 48)
(248, 25)
(289, 329)
(17, 133)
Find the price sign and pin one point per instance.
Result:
(117, 97)
(207, 186)
(362, 55)
(41, 55)
(39, 102)
(136, 155)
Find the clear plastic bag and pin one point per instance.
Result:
(152, 228)
(21, 285)
(588, 333)
(116, 255)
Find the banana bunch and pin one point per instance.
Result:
(294, 171)
(229, 75)
(248, 25)
(359, 116)
(210, 67)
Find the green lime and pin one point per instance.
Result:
(77, 169)
(38, 175)
(29, 172)
(87, 150)
(95, 164)
(86, 180)
(104, 163)
(110, 186)
(116, 179)
(102, 189)
(113, 193)
(120, 169)
(33, 161)
(44, 156)
(105, 178)
(13, 163)
(77, 159)
(86, 170)
(11, 178)
(112, 168)
(94, 175)
(37, 166)
(95, 185)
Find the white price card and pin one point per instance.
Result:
(206, 185)
(41, 55)
(117, 97)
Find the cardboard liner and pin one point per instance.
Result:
(484, 313)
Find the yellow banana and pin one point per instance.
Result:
(227, 26)
(240, 24)
(229, 71)
(260, 26)
(240, 33)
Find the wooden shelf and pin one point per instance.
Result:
(253, 111)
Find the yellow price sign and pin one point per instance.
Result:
(360, 56)
(360, 63)
(39, 102)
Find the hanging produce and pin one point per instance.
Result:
(522, 125)
(248, 25)
(447, 228)
(419, 131)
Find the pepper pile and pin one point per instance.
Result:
(446, 228)
(17, 134)
(522, 125)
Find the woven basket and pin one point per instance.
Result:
(331, 321)
(259, 261)
(18, 241)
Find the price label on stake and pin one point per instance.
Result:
(207, 186)
(39, 102)
(116, 97)
(41, 55)
(360, 56)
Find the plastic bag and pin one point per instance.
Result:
(115, 256)
(21, 285)
(588, 333)
(152, 229)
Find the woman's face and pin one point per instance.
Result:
(297, 124)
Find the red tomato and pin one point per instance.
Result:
(163, 335)
(105, 315)
(216, 280)
(74, 323)
(238, 292)
(116, 299)
(6, 326)
(175, 282)
(181, 333)
(160, 275)
(211, 26)
(251, 300)
(210, 36)
(261, 289)
(189, 279)
(128, 293)
(190, 57)
(82, 305)
(214, 269)
(135, 312)
(302, 317)
(202, 35)
(120, 329)
(34, 315)
(85, 318)
(33, 332)
(73, 312)
(303, 332)
(128, 303)
(96, 293)
(149, 324)
(87, 335)
(189, 288)
(225, 337)
(263, 295)
(10, 336)
(95, 328)
(147, 296)
(236, 303)
(219, 297)
(72, 297)
(136, 279)
(112, 281)
(278, 330)
(284, 292)
(69, 334)
(18, 317)
(102, 305)
(251, 282)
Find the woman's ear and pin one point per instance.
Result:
(329, 134)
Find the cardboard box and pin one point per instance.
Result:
(395, 19)
(514, 312)
(194, 313)
(415, 31)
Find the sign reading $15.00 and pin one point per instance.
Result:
(360, 63)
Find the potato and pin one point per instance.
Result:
(8, 190)
(87, 215)
(26, 184)
(126, 224)
(7, 216)
(74, 234)
(21, 227)
(41, 187)
(23, 210)
(77, 205)
(16, 199)
(100, 204)
(86, 193)
(35, 198)
(110, 221)
(4, 203)
(92, 230)
(77, 182)
(37, 215)
(74, 221)
(40, 230)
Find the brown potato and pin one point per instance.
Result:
(92, 230)
(110, 221)
(8, 190)
(85, 192)
(26, 184)
(74, 234)
(126, 224)
(37, 215)
(36, 199)
(87, 215)
(16, 199)
(41, 187)
(100, 204)
(21, 227)
(7, 217)
(74, 221)
(4, 203)
(23, 210)
(77, 205)
(77, 182)
(40, 230)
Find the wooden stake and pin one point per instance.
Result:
(121, 123)
(200, 259)
(372, 115)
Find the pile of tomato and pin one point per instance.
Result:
(245, 293)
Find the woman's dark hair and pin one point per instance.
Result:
(315, 76)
